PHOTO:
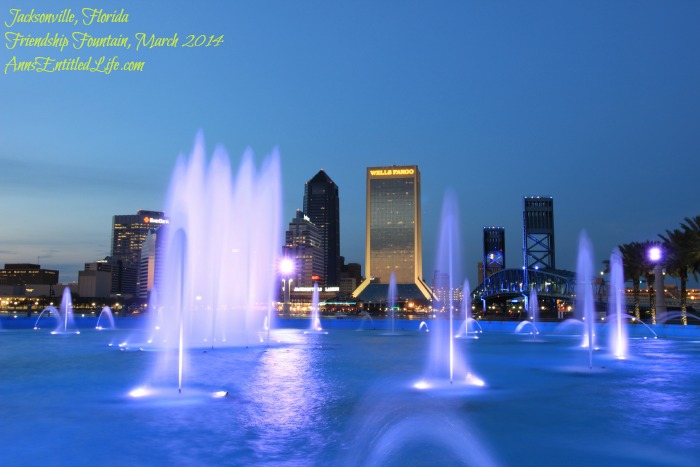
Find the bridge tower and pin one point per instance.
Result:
(494, 251)
(538, 234)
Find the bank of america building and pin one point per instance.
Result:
(393, 234)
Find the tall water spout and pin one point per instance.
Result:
(391, 299)
(445, 362)
(585, 305)
(616, 301)
(220, 252)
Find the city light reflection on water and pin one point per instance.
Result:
(658, 397)
(290, 395)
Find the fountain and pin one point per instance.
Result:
(585, 305)
(107, 312)
(445, 363)
(65, 322)
(616, 310)
(346, 402)
(315, 325)
(467, 313)
(532, 309)
(391, 303)
(221, 245)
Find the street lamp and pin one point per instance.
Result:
(286, 268)
(656, 289)
(654, 254)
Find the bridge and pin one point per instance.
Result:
(551, 285)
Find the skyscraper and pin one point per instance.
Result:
(321, 205)
(302, 244)
(128, 234)
(393, 234)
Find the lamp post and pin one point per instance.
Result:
(286, 268)
(656, 288)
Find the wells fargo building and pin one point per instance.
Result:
(393, 234)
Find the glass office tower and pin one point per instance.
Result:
(321, 205)
(393, 233)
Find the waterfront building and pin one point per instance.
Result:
(20, 279)
(393, 237)
(23, 274)
(321, 206)
(151, 263)
(95, 280)
(128, 234)
(303, 245)
(350, 276)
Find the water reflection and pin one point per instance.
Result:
(289, 395)
(659, 396)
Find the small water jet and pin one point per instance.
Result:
(65, 322)
(364, 317)
(616, 303)
(527, 324)
(585, 305)
(635, 320)
(50, 311)
(391, 299)
(532, 308)
(315, 325)
(107, 313)
(464, 331)
(676, 315)
(391, 305)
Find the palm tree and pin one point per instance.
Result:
(634, 266)
(682, 248)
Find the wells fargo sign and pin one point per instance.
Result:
(392, 171)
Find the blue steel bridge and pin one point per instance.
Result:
(508, 284)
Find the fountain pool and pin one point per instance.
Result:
(347, 398)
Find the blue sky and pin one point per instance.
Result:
(596, 104)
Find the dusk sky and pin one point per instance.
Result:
(595, 103)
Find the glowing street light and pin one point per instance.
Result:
(286, 268)
(656, 289)
(654, 254)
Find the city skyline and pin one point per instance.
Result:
(595, 105)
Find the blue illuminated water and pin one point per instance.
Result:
(347, 398)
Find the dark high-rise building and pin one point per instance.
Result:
(321, 205)
(128, 234)
(393, 234)
(350, 276)
(302, 244)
